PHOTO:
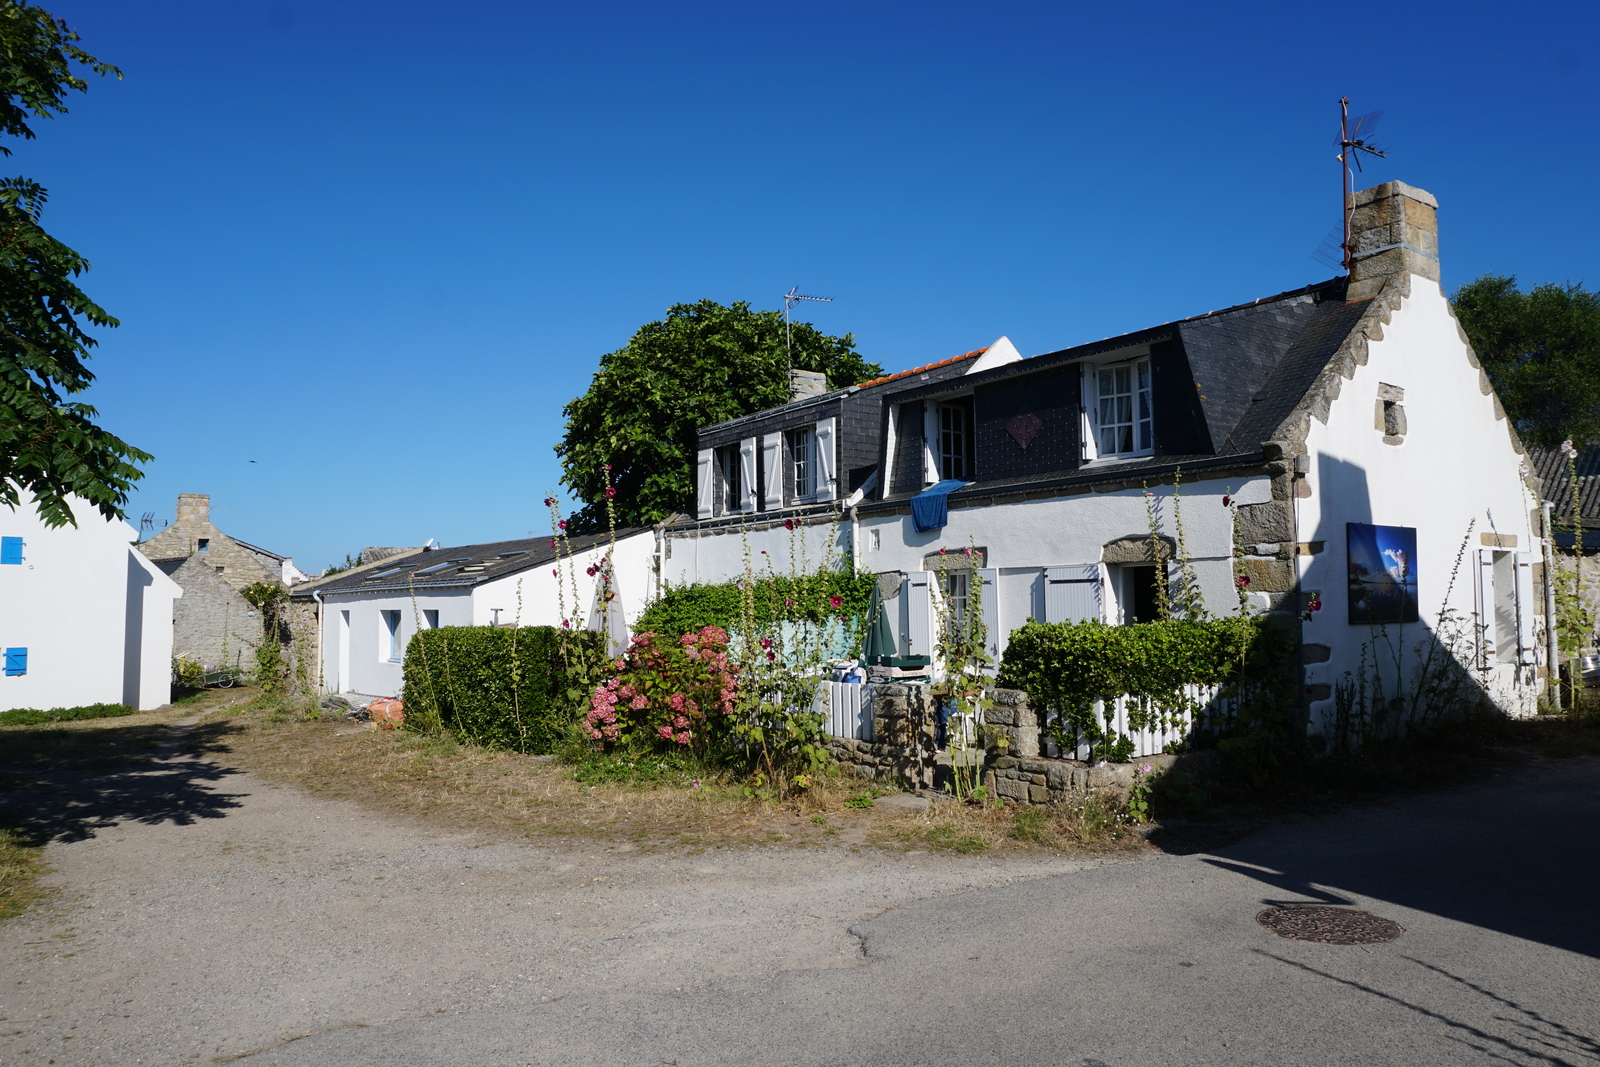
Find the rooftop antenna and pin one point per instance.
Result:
(1353, 140)
(790, 299)
(147, 523)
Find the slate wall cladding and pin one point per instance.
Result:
(1053, 396)
(909, 464)
(1179, 419)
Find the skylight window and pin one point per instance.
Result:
(436, 568)
(518, 552)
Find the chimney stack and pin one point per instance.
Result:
(194, 507)
(806, 383)
(1394, 229)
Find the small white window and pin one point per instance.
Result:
(1124, 409)
(431, 617)
(393, 650)
(874, 540)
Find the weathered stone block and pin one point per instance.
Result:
(1260, 523)
(1006, 763)
(1038, 794)
(1011, 788)
(1267, 575)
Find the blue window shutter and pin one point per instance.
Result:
(16, 661)
(10, 550)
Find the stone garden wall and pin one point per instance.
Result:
(903, 750)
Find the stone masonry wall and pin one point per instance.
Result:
(903, 748)
(211, 622)
(237, 565)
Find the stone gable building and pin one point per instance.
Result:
(213, 623)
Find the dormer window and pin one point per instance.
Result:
(955, 442)
(730, 482)
(803, 463)
(1124, 409)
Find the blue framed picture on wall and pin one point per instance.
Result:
(1382, 573)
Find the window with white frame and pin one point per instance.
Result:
(390, 645)
(803, 463)
(955, 441)
(430, 616)
(1123, 395)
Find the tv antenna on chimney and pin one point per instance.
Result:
(147, 523)
(1354, 139)
(790, 299)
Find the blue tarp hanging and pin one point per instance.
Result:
(929, 508)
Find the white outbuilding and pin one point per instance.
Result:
(87, 619)
(368, 617)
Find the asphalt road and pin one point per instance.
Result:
(1156, 962)
(206, 915)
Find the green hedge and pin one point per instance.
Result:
(501, 688)
(34, 716)
(687, 609)
(1066, 667)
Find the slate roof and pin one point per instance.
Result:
(461, 567)
(1551, 467)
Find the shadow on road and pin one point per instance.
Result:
(1525, 863)
(64, 785)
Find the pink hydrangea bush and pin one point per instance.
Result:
(666, 694)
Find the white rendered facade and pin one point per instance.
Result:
(92, 614)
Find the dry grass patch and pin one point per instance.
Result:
(21, 866)
(464, 786)
(1088, 825)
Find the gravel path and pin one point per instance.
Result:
(207, 914)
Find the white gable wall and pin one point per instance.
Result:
(1456, 465)
(94, 615)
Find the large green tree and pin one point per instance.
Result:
(49, 446)
(1541, 349)
(704, 363)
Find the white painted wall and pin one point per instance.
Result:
(1022, 539)
(366, 649)
(1456, 465)
(93, 613)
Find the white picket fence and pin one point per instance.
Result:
(1172, 725)
(848, 708)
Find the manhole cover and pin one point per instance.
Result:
(1329, 926)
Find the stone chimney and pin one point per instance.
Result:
(1394, 229)
(194, 507)
(806, 383)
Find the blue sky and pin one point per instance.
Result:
(376, 247)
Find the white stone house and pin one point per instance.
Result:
(368, 617)
(1330, 415)
(87, 619)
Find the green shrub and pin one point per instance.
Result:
(34, 716)
(1066, 667)
(519, 689)
(691, 608)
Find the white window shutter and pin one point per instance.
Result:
(1525, 646)
(930, 442)
(704, 483)
(747, 472)
(772, 471)
(918, 591)
(1072, 593)
(1485, 590)
(989, 612)
(827, 462)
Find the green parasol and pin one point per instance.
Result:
(880, 636)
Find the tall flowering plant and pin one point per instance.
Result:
(665, 694)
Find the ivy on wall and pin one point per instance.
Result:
(809, 598)
(1066, 667)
